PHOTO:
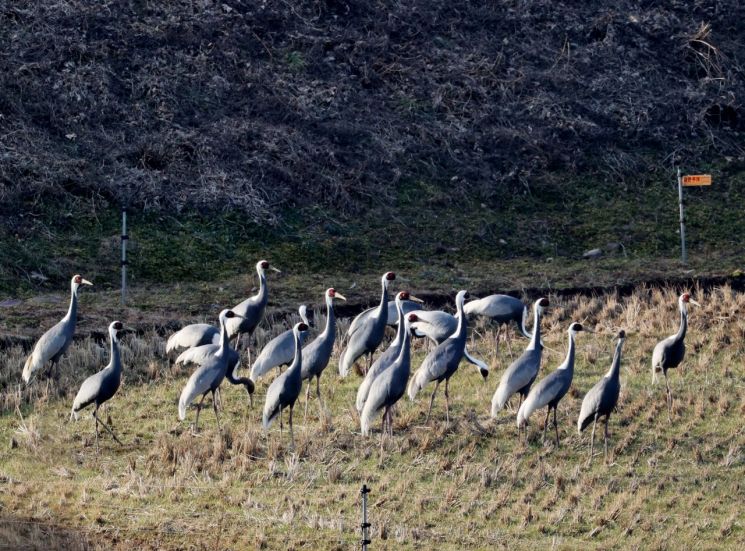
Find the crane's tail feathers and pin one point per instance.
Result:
(522, 416)
(417, 383)
(171, 342)
(30, 368)
(584, 422)
(499, 400)
(362, 394)
(344, 364)
(367, 417)
(74, 413)
(268, 417)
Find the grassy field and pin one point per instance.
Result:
(467, 485)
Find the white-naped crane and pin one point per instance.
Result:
(551, 389)
(279, 351)
(209, 376)
(501, 309)
(436, 325)
(389, 355)
(193, 336)
(285, 389)
(366, 336)
(54, 343)
(317, 353)
(602, 398)
(101, 387)
(669, 353)
(521, 373)
(388, 388)
(442, 362)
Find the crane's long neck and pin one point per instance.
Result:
(683, 324)
(535, 339)
(330, 318)
(262, 297)
(72, 311)
(569, 361)
(615, 367)
(401, 324)
(295, 366)
(224, 339)
(383, 306)
(460, 331)
(116, 362)
(404, 355)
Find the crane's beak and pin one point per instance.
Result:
(416, 299)
(86, 282)
(694, 302)
(275, 269)
(339, 295)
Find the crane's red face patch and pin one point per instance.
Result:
(78, 279)
(413, 318)
(302, 327)
(331, 292)
(622, 334)
(686, 297)
(543, 302)
(404, 295)
(118, 326)
(229, 314)
(390, 276)
(578, 327)
(264, 265)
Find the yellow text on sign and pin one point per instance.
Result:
(697, 180)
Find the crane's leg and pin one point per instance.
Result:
(382, 430)
(669, 397)
(199, 408)
(556, 428)
(104, 425)
(307, 399)
(592, 439)
(217, 415)
(292, 434)
(321, 409)
(447, 402)
(605, 436)
(431, 401)
(545, 424)
(280, 425)
(390, 420)
(95, 417)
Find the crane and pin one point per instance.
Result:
(502, 309)
(391, 316)
(285, 389)
(317, 354)
(54, 343)
(389, 355)
(518, 377)
(279, 351)
(551, 389)
(388, 388)
(366, 336)
(209, 376)
(442, 362)
(669, 352)
(101, 386)
(602, 398)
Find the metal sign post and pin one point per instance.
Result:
(683, 254)
(125, 237)
(365, 525)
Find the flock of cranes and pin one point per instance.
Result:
(386, 380)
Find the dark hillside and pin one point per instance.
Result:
(260, 107)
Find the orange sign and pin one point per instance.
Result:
(697, 180)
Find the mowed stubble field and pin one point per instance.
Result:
(467, 485)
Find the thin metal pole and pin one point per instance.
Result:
(125, 237)
(365, 525)
(683, 254)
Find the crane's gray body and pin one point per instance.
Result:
(503, 309)
(551, 389)
(279, 351)
(384, 361)
(193, 335)
(390, 385)
(55, 341)
(519, 376)
(252, 310)
(285, 389)
(101, 386)
(366, 336)
(602, 398)
(669, 353)
(436, 325)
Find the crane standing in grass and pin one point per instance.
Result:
(601, 400)
(520, 375)
(669, 353)
(317, 354)
(502, 309)
(279, 351)
(209, 376)
(100, 387)
(365, 336)
(285, 389)
(442, 362)
(54, 343)
(551, 389)
(389, 386)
